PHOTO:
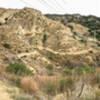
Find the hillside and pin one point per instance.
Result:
(47, 46)
(92, 22)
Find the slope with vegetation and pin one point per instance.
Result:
(46, 58)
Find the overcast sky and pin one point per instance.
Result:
(84, 7)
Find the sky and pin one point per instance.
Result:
(83, 7)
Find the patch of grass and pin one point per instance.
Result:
(78, 70)
(19, 69)
(84, 69)
(49, 67)
(16, 80)
(49, 57)
(65, 84)
(10, 91)
(50, 88)
(83, 41)
(67, 71)
(23, 96)
(51, 74)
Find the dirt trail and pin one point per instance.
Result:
(52, 51)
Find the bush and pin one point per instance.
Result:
(83, 41)
(44, 38)
(49, 57)
(84, 69)
(98, 44)
(67, 72)
(29, 85)
(90, 51)
(88, 69)
(65, 84)
(6, 19)
(16, 80)
(19, 68)
(49, 67)
(50, 88)
(6, 45)
(78, 70)
(51, 74)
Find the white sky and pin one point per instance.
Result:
(84, 7)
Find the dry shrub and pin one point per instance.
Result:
(48, 84)
(3, 72)
(29, 84)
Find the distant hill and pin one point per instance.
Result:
(92, 22)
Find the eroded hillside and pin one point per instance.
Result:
(46, 46)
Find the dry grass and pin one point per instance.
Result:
(3, 72)
(29, 84)
(43, 79)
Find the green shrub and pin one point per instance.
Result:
(90, 51)
(49, 67)
(6, 45)
(19, 68)
(51, 74)
(83, 41)
(78, 70)
(84, 69)
(49, 57)
(98, 44)
(16, 80)
(67, 72)
(44, 38)
(88, 69)
(65, 84)
(50, 88)
(6, 19)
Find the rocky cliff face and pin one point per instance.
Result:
(29, 37)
